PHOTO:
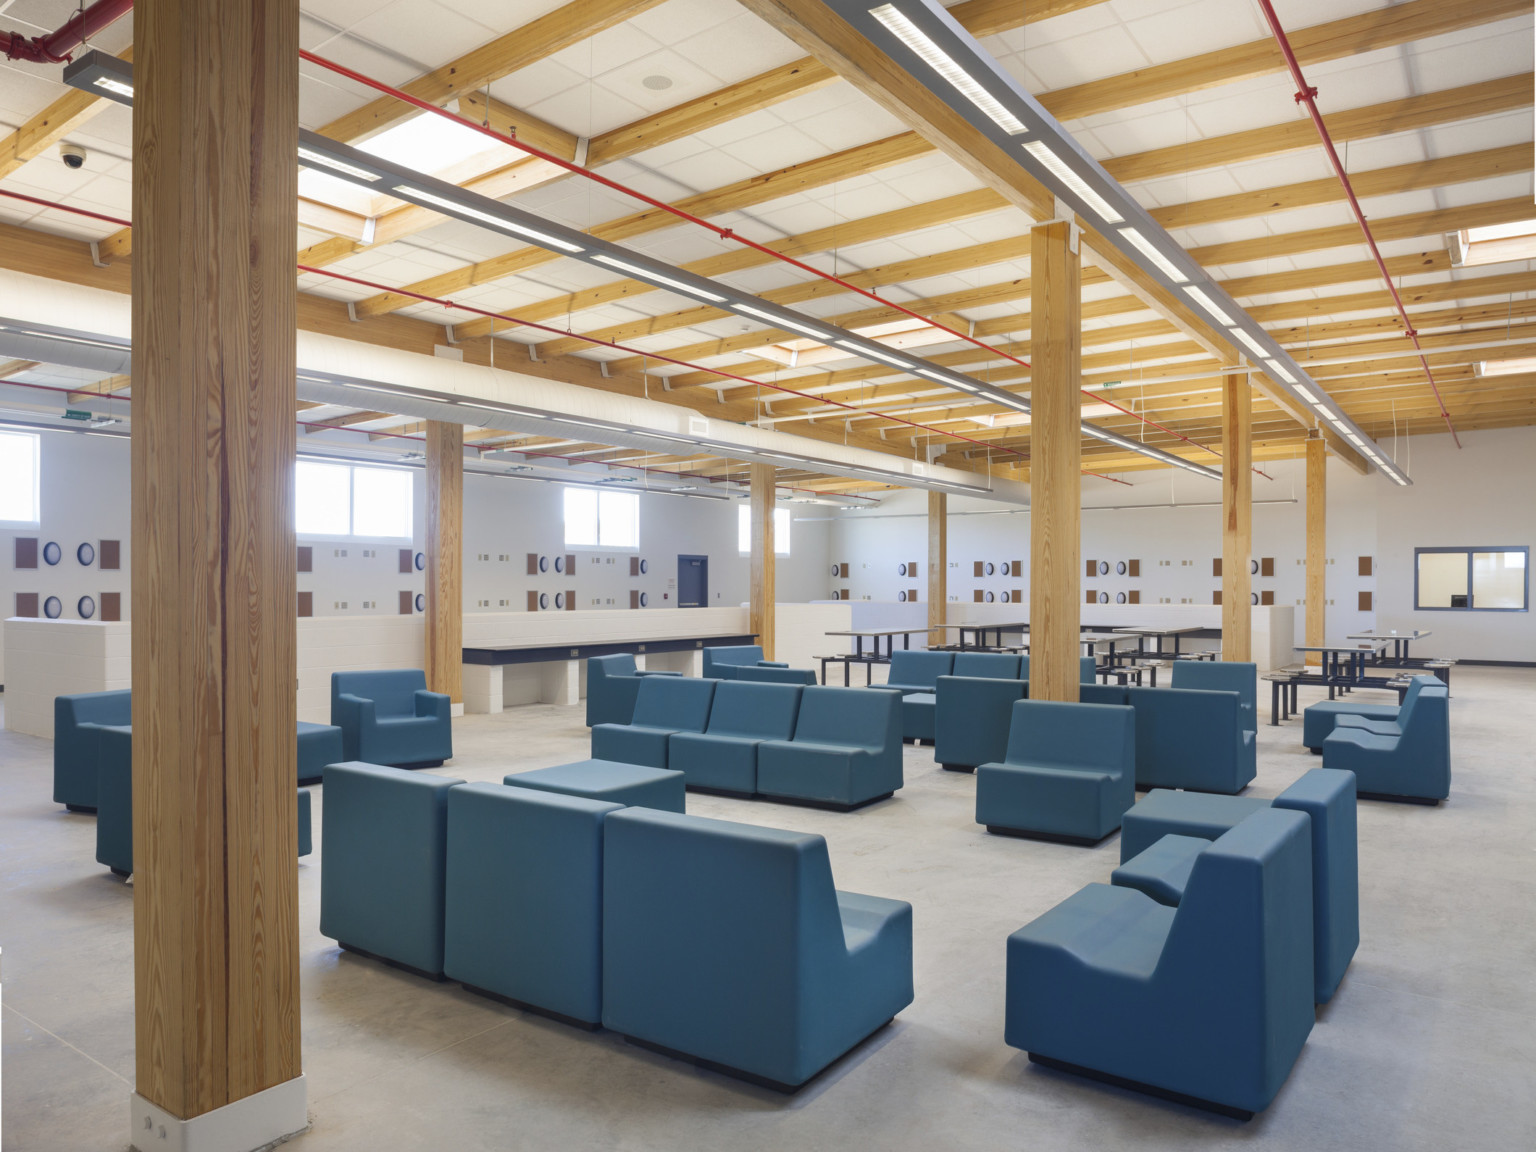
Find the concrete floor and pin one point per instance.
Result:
(1429, 1044)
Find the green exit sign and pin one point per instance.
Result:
(76, 414)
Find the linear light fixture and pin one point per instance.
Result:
(1200, 298)
(313, 159)
(792, 325)
(1150, 251)
(665, 281)
(1059, 168)
(455, 207)
(931, 54)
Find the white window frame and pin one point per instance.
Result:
(608, 528)
(781, 522)
(36, 443)
(352, 470)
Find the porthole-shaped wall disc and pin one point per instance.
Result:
(1103, 597)
(645, 567)
(53, 607)
(52, 553)
(644, 600)
(1253, 567)
(420, 561)
(421, 601)
(86, 606)
(1103, 567)
(559, 563)
(902, 595)
(543, 563)
(1119, 597)
(543, 599)
(989, 569)
(990, 596)
(1120, 568)
(559, 599)
(86, 553)
(1253, 598)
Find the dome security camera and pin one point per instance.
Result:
(73, 156)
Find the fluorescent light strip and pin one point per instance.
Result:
(1144, 246)
(1280, 370)
(1209, 305)
(1306, 394)
(116, 87)
(646, 274)
(1253, 345)
(1059, 169)
(780, 322)
(543, 239)
(313, 158)
(918, 42)
(894, 361)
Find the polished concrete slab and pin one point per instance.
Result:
(1430, 1043)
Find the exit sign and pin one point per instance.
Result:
(76, 414)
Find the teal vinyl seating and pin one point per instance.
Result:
(612, 684)
(724, 662)
(1223, 676)
(1165, 832)
(971, 719)
(1319, 719)
(1087, 668)
(723, 757)
(523, 910)
(608, 781)
(1413, 766)
(663, 705)
(776, 674)
(917, 670)
(319, 745)
(1210, 1002)
(385, 844)
(1189, 738)
(388, 717)
(1070, 772)
(76, 721)
(846, 750)
(986, 665)
(727, 944)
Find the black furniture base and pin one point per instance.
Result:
(1148, 1089)
(418, 764)
(737, 1073)
(522, 1005)
(825, 805)
(435, 977)
(120, 873)
(1048, 837)
(958, 767)
(728, 792)
(80, 808)
(1391, 799)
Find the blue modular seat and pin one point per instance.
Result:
(114, 813)
(971, 718)
(917, 717)
(846, 750)
(917, 670)
(1189, 738)
(1101, 694)
(776, 674)
(1223, 676)
(1156, 856)
(523, 911)
(726, 661)
(1209, 1002)
(319, 745)
(1415, 766)
(76, 720)
(1087, 668)
(727, 944)
(1070, 772)
(388, 717)
(664, 705)
(723, 757)
(986, 665)
(610, 782)
(384, 839)
(1319, 719)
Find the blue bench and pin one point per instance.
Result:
(915, 670)
(846, 750)
(663, 705)
(1319, 719)
(607, 781)
(776, 674)
(1223, 676)
(1208, 1003)
(388, 717)
(987, 666)
(725, 662)
(1187, 738)
(972, 716)
(1069, 774)
(723, 758)
(612, 685)
(76, 722)
(319, 745)
(1414, 765)
(1087, 667)
(728, 945)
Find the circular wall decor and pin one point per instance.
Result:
(902, 595)
(559, 599)
(645, 566)
(1002, 568)
(420, 561)
(989, 568)
(86, 607)
(543, 599)
(1103, 567)
(52, 607)
(1253, 567)
(1103, 597)
(543, 563)
(1006, 598)
(1120, 568)
(421, 601)
(644, 599)
(559, 563)
(990, 597)
(86, 553)
(52, 553)
(1119, 597)
(901, 570)
(1253, 598)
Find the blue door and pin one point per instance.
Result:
(692, 581)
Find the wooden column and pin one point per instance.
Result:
(762, 610)
(445, 559)
(215, 894)
(1056, 457)
(1236, 518)
(1316, 629)
(938, 564)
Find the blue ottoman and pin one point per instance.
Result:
(917, 712)
(607, 780)
(319, 745)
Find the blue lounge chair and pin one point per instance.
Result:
(612, 684)
(986, 665)
(610, 782)
(389, 717)
(1187, 738)
(1087, 668)
(846, 751)
(916, 670)
(776, 674)
(76, 721)
(726, 661)
(971, 720)
(727, 944)
(319, 745)
(1319, 719)
(723, 758)
(663, 706)
(1209, 1003)
(1223, 676)
(1414, 766)
(1070, 772)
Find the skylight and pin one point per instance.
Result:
(427, 143)
(1497, 243)
(1507, 367)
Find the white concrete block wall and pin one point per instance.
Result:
(339, 644)
(59, 658)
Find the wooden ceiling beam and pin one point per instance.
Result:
(51, 125)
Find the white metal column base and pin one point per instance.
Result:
(248, 1124)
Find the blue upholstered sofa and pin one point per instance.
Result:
(776, 674)
(1070, 772)
(523, 911)
(727, 944)
(385, 858)
(987, 665)
(76, 721)
(1165, 832)
(724, 756)
(388, 717)
(972, 715)
(1223, 676)
(917, 670)
(664, 705)
(1187, 738)
(1406, 759)
(1210, 1002)
(612, 685)
(726, 661)
(846, 750)
(1087, 667)
(1319, 719)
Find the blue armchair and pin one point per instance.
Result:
(1087, 668)
(776, 674)
(523, 913)
(1414, 766)
(663, 706)
(1070, 772)
(385, 844)
(390, 718)
(846, 751)
(1166, 831)
(725, 661)
(1319, 719)
(76, 721)
(612, 685)
(1191, 739)
(727, 944)
(723, 757)
(986, 665)
(916, 670)
(971, 719)
(1223, 676)
(1209, 1002)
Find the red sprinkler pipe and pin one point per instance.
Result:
(58, 46)
(1306, 94)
